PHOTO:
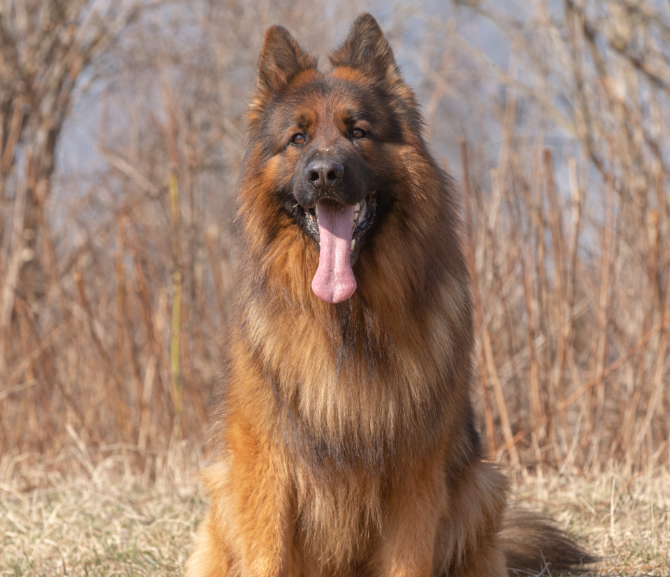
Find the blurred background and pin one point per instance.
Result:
(122, 130)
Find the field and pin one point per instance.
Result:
(107, 521)
(122, 131)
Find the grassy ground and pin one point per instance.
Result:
(106, 522)
(626, 521)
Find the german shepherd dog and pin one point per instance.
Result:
(345, 434)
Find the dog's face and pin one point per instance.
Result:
(329, 152)
(330, 142)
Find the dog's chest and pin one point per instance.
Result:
(339, 518)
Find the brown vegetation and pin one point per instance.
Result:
(100, 519)
(121, 133)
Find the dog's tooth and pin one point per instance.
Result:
(353, 243)
(357, 207)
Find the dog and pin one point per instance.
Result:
(345, 431)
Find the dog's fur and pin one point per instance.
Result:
(345, 432)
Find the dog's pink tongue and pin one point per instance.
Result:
(334, 280)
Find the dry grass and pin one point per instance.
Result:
(105, 521)
(626, 521)
(116, 267)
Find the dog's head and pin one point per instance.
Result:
(329, 143)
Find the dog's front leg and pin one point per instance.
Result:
(260, 503)
(413, 510)
(247, 530)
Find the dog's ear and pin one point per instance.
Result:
(281, 59)
(367, 49)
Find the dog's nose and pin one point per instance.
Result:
(323, 173)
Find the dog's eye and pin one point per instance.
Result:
(298, 138)
(358, 133)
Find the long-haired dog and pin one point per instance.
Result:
(345, 434)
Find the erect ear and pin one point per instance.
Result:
(281, 59)
(366, 49)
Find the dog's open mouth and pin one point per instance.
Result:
(364, 215)
(338, 229)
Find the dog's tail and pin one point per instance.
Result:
(532, 543)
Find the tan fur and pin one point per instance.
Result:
(345, 433)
